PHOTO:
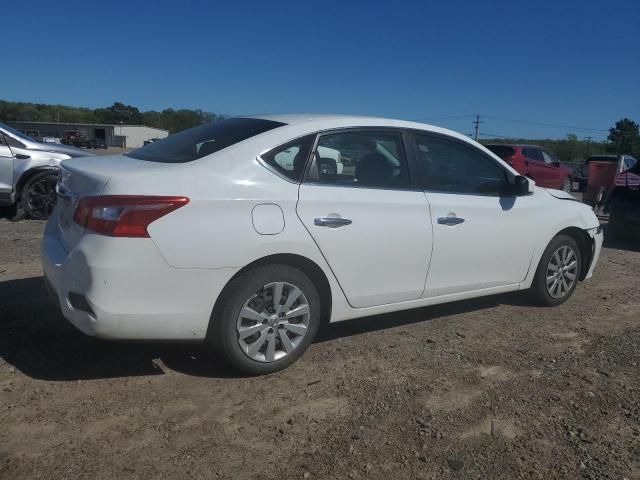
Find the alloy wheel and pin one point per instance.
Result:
(40, 198)
(562, 271)
(567, 185)
(272, 322)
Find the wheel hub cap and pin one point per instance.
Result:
(272, 322)
(562, 271)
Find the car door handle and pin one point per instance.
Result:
(21, 156)
(450, 220)
(331, 222)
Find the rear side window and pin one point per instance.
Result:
(289, 160)
(203, 140)
(502, 151)
(363, 159)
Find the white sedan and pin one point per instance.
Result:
(214, 234)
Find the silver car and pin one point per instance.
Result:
(29, 172)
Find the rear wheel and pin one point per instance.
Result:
(567, 185)
(558, 272)
(268, 319)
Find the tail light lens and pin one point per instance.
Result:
(124, 215)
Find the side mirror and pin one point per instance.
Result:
(521, 186)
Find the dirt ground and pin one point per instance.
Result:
(490, 388)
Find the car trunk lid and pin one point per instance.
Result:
(88, 177)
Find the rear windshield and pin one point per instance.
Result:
(502, 151)
(203, 140)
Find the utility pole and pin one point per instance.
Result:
(477, 124)
(588, 138)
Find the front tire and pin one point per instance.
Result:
(268, 319)
(38, 197)
(558, 272)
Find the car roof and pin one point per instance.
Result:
(293, 118)
(513, 145)
(326, 121)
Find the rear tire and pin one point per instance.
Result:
(253, 331)
(558, 272)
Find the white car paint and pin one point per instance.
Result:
(394, 256)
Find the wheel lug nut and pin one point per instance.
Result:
(271, 330)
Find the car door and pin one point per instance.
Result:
(6, 168)
(544, 174)
(480, 238)
(370, 222)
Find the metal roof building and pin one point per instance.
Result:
(123, 136)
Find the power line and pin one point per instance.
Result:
(542, 124)
(448, 117)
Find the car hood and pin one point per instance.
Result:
(66, 149)
(560, 194)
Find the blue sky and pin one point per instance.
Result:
(567, 63)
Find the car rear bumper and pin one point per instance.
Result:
(122, 288)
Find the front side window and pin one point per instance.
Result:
(360, 159)
(548, 158)
(448, 166)
(198, 142)
(289, 160)
(533, 154)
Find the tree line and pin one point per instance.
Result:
(117, 114)
(623, 138)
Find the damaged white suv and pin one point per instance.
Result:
(29, 172)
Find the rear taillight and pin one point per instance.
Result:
(124, 215)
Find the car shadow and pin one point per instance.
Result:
(37, 340)
(424, 314)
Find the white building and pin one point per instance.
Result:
(135, 135)
(123, 136)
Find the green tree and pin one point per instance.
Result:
(625, 137)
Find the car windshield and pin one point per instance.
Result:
(16, 133)
(201, 141)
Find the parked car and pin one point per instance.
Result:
(623, 205)
(234, 246)
(96, 143)
(29, 172)
(581, 172)
(536, 163)
(80, 140)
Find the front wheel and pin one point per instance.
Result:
(567, 185)
(268, 319)
(38, 197)
(558, 272)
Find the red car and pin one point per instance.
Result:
(536, 163)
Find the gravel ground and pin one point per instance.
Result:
(490, 388)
